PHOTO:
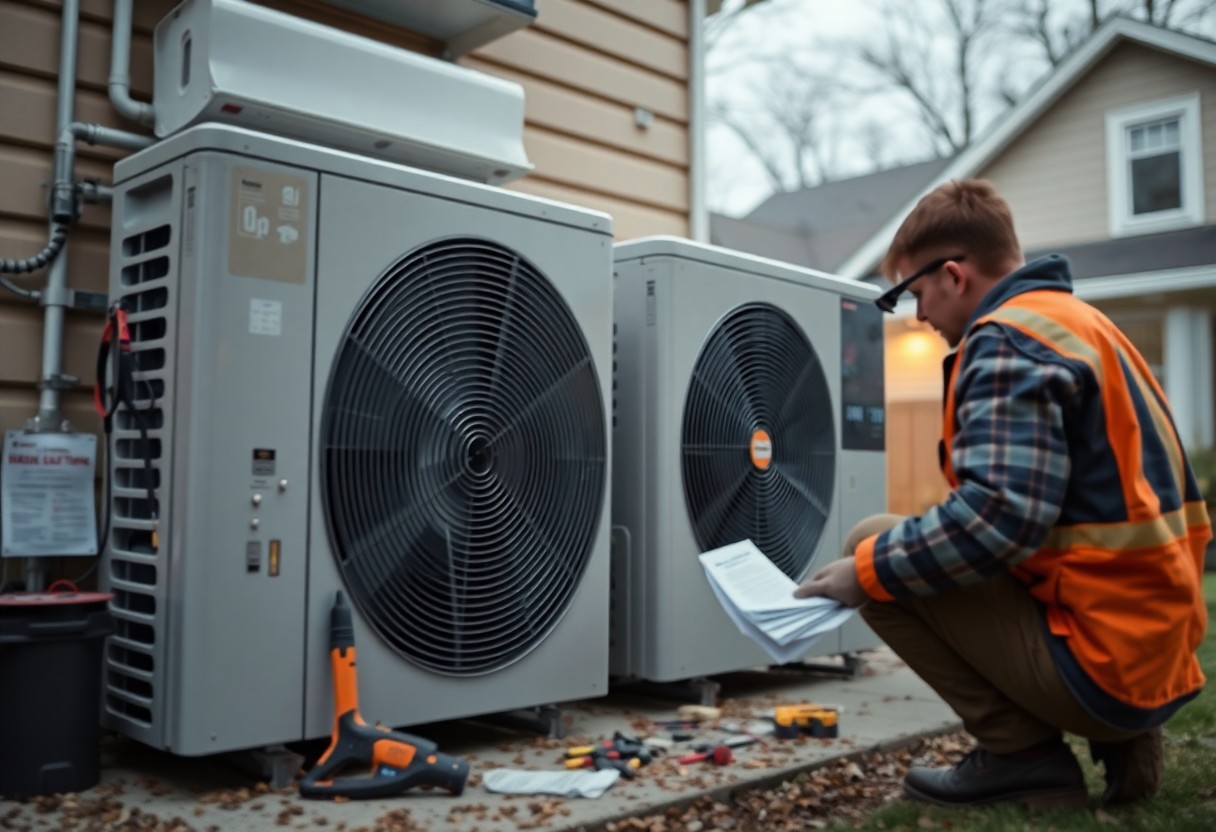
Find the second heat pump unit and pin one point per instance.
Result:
(748, 403)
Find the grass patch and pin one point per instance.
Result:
(1187, 802)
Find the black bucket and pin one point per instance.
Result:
(50, 691)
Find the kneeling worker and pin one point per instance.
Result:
(1058, 587)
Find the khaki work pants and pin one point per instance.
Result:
(983, 649)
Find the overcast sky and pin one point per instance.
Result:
(807, 29)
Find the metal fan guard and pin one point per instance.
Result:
(759, 380)
(463, 449)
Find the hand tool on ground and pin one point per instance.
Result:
(602, 760)
(729, 742)
(719, 755)
(397, 761)
(621, 745)
(677, 724)
(815, 720)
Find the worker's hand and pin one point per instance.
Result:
(837, 580)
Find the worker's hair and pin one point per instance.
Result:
(965, 216)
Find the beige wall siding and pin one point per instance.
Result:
(586, 65)
(1054, 175)
(29, 63)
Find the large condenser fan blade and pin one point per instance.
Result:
(463, 448)
(759, 443)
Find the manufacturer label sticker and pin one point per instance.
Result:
(265, 317)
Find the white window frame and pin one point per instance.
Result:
(1123, 223)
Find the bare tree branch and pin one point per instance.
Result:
(1030, 20)
(945, 102)
(760, 149)
(722, 21)
(784, 124)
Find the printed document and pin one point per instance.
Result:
(759, 598)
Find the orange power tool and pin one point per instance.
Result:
(397, 761)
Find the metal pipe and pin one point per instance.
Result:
(64, 191)
(698, 209)
(109, 136)
(120, 69)
(64, 201)
(28, 294)
(93, 191)
(55, 295)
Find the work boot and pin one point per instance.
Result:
(1051, 780)
(1133, 767)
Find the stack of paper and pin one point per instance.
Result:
(759, 598)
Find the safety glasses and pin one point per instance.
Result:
(887, 300)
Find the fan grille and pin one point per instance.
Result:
(758, 444)
(463, 456)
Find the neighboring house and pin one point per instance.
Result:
(607, 86)
(1111, 160)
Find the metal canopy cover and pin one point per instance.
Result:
(461, 24)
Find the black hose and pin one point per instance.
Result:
(40, 260)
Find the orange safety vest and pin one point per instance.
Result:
(1126, 596)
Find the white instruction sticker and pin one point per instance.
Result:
(46, 494)
(265, 317)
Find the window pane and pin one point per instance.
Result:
(1156, 183)
(1171, 134)
(1154, 136)
(1137, 138)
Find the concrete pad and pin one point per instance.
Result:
(886, 705)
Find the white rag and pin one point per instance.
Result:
(563, 783)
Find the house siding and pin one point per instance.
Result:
(585, 65)
(1054, 175)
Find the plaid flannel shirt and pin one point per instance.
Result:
(1011, 457)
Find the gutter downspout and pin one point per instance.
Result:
(120, 69)
(698, 209)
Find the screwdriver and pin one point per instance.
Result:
(611, 759)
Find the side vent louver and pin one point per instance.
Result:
(145, 264)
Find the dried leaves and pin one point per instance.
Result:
(847, 790)
(101, 814)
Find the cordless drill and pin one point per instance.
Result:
(397, 761)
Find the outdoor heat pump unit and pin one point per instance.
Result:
(748, 405)
(355, 376)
